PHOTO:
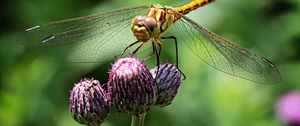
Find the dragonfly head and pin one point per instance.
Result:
(144, 28)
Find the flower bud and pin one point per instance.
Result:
(131, 86)
(168, 82)
(89, 103)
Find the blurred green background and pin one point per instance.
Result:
(34, 90)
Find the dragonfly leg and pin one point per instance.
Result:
(177, 54)
(157, 53)
(138, 48)
(176, 46)
(153, 52)
(132, 44)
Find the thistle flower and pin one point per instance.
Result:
(131, 86)
(288, 108)
(168, 82)
(89, 103)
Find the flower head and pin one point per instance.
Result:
(168, 81)
(89, 103)
(131, 86)
(288, 108)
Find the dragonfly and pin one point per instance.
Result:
(101, 36)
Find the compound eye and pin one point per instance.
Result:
(136, 20)
(150, 23)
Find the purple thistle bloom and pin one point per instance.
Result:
(89, 103)
(288, 108)
(168, 82)
(131, 86)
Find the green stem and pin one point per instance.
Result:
(138, 120)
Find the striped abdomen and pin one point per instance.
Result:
(188, 7)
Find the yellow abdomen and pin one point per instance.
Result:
(186, 8)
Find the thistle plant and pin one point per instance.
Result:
(131, 88)
(168, 82)
(89, 103)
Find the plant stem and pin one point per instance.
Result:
(138, 120)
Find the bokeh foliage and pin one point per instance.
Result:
(34, 86)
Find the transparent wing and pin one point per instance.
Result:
(225, 55)
(94, 38)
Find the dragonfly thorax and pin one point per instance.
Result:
(145, 27)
